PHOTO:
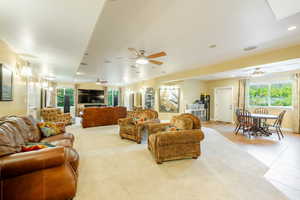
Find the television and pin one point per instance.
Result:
(90, 96)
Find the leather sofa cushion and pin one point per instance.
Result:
(61, 143)
(67, 136)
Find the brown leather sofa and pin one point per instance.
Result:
(46, 174)
(102, 116)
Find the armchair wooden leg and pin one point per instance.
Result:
(159, 162)
(138, 142)
(195, 157)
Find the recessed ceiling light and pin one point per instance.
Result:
(291, 28)
(250, 48)
(50, 78)
(79, 73)
(212, 46)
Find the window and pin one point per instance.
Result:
(113, 97)
(270, 94)
(60, 96)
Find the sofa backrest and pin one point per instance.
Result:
(146, 113)
(50, 114)
(196, 121)
(96, 116)
(11, 140)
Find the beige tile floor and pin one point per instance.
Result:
(115, 169)
(282, 157)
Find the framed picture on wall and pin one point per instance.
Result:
(169, 99)
(6, 83)
(149, 98)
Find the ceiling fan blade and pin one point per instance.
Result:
(156, 62)
(156, 55)
(134, 51)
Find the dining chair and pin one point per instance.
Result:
(262, 111)
(238, 124)
(278, 124)
(245, 121)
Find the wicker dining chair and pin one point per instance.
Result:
(277, 125)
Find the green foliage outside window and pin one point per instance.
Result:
(61, 92)
(113, 96)
(275, 94)
(70, 92)
(281, 94)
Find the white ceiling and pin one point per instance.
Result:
(59, 32)
(269, 70)
(286, 8)
(54, 32)
(183, 29)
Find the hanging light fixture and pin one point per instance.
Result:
(258, 73)
(142, 59)
(98, 82)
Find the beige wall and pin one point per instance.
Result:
(190, 90)
(290, 121)
(18, 105)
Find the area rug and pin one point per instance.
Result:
(115, 169)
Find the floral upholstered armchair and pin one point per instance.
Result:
(132, 127)
(176, 140)
(55, 115)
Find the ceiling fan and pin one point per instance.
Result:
(143, 59)
(101, 82)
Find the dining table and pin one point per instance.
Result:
(259, 126)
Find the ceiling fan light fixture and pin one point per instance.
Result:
(258, 73)
(98, 82)
(142, 60)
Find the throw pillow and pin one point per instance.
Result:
(49, 129)
(36, 146)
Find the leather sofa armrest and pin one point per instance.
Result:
(179, 137)
(154, 128)
(21, 163)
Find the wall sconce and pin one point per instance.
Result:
(45, 84)
(26, 71)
